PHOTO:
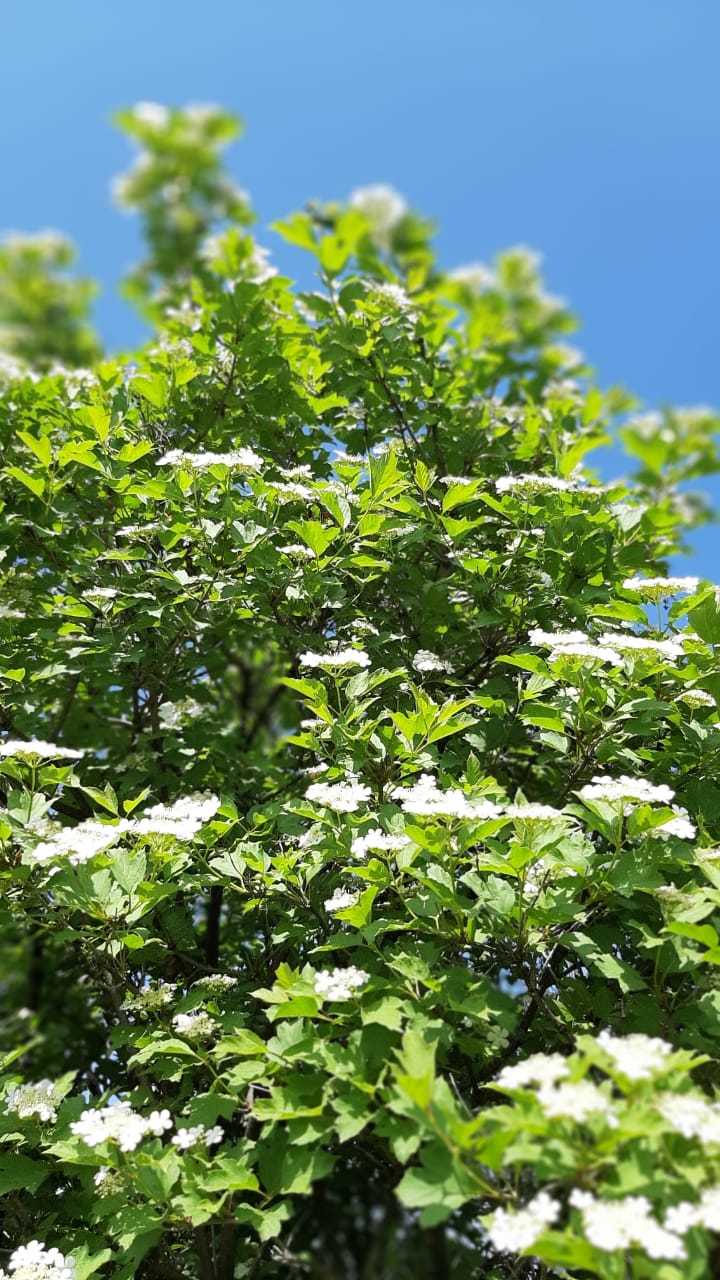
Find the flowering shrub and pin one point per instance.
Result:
(359, 769)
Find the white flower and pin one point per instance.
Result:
(556, 639)
(343, 797)
(194, 1026)
(154, 997)
(34, 1262)
(297, 551)
(79, 844)
(340, 900)
(291, 490)
(671, 648)
(680, 826)
(704, 1214)
(573, 644)
(697, 698)
(586, 652)
(376, 839)
(534, 484)
(425, 660)
(37, 749)
(382, 205)
(119, 1123)
(575, 1101)
(153, 114)
(238, 459)
(636, 1056)
(100, 593)
(425, 797)
(343, 658)
(540, 1069)
(514, 1231)
(692, 1116)
(622, 1224)
(340, 984)
(181, 819)
(638, 790)
(173, 715)
(197, 1135)
(33, 1100)
(535, 813)
(660, 588)
(394, 294)
(474, 276)
(216, 983)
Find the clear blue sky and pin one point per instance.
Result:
(588, 130)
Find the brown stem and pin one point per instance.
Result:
(212, 926)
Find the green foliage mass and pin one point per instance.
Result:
(324, 871)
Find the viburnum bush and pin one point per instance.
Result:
(360, 889)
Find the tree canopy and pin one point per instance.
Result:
(360, 891)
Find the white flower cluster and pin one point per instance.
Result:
(181, 819)
(692, 1116)
(576, 1101)
(697, 698)
(541, 1069)
(516, 1230)
(153, 114)
(570, 1101)
(624, 1224)
(152, 998)
(382, 205)
(660, 588)
(425, 661)
(393, 293)
(38, 1099)
(706, 1213)
(215, 983)
(537, 484)
(555, 639)
(79, 844)
(34, 1262)
(376, 839)
(341, 900)
(108, 1181)
(340, 984)
(627, 643)
(343, 658)
(343, 797)
(172, 715)
(292, 491)
(195, 1026)
(680, 826)
(100, 593)
(638, 790)
(636, 1056)
(574, 645)
(535, 813)
(474, 276)
(197, 1135)
(37, 749)
(425, 797)
(237, 459)
(120, 1124)
(297, 551)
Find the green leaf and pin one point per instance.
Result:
(316, 536)
(35, 484)
(20, 1173)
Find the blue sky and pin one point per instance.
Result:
(589, 131)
